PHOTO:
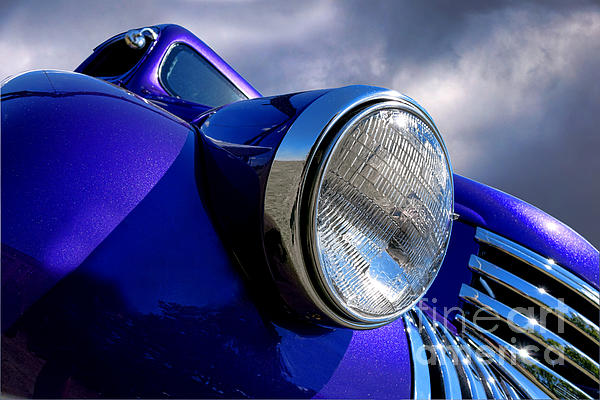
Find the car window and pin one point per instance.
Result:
(115, 59)
(189, 76)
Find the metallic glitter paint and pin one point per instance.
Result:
(529, 226)
(132, 244)
(70, 174)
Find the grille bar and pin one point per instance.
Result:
(491, 382)
(448, 369)
(455, 364)
(542, 264)
(546, 379)
(421, 378)
(533, 301)
(473, 381)
(513, 374)
(536, 295)
(511, 391)
(533, 330)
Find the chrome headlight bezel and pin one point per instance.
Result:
(291, 193)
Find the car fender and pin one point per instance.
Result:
(78, 154)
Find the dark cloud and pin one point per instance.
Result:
(513, 85)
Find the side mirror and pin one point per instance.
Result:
(136, 38)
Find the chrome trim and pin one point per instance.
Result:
(508, 388)
(287, 203)
(421, 378)
(532, 329)
(507, 371)
(531, 390)
(487, 287)
(546, 379)
(536, 295)
(474, 381)
(136, 38)
(542, 264)
(447, 367)
(489, 379)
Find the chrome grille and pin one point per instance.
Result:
(528, 329)
(454, 367)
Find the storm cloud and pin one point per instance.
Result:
(513, 86)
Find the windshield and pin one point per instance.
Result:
(189, 76)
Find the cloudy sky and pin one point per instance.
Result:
(513, 86)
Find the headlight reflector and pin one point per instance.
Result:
(382, 216)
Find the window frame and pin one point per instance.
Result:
(170, 93)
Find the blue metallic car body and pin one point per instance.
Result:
(122, 232)
(147, 301)
(143, 78)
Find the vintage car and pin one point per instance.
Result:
(169, 232)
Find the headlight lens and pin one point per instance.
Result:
(382, 217)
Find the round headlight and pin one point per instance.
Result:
(381, 219)
(358, 207)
